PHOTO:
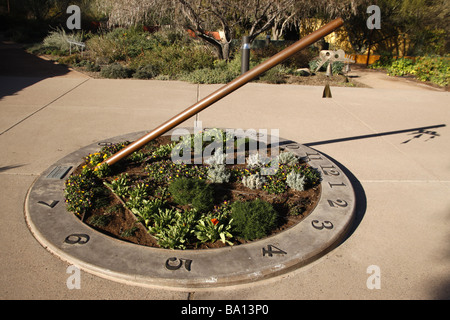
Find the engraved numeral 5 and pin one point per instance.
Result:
(187, 264)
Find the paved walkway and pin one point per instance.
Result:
(394, 143)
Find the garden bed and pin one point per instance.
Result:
(148, 199)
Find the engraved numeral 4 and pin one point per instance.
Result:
(270, 251)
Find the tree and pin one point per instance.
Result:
(415, 26)
(127, 13)
(252, 16)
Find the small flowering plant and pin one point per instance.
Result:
(215, 226)
(80, 191)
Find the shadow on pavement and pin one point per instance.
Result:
(19, 69)
(417, 132)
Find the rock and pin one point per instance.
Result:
(303, 72)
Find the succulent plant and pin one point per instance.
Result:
(255, 181)
(255, 160)
(287, 158)
(296, 181)
(218, 174)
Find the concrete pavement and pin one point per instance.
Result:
(393, 141)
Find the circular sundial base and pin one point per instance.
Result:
(60, 232)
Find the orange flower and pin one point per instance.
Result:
(214, 221)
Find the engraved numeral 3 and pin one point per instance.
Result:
(322, 225)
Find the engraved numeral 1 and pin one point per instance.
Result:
(317, 156)
(336, 184)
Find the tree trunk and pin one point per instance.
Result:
(225, 48)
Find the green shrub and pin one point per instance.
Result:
(57, 40)
(433, 68)
(401, 67)
(208, 76)
(115, 71)
(146, 72)
(198, 193)
(253, 219)
(275, 75)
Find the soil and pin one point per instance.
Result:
(320, 79)
(122, 224)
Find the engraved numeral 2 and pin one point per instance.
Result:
(338, 203)
(330, 171)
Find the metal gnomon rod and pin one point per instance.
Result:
(226, 90)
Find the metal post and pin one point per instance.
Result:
(226, 90)
(245, 59)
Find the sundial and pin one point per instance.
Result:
(69, 238)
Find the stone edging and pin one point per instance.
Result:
(68, 238)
